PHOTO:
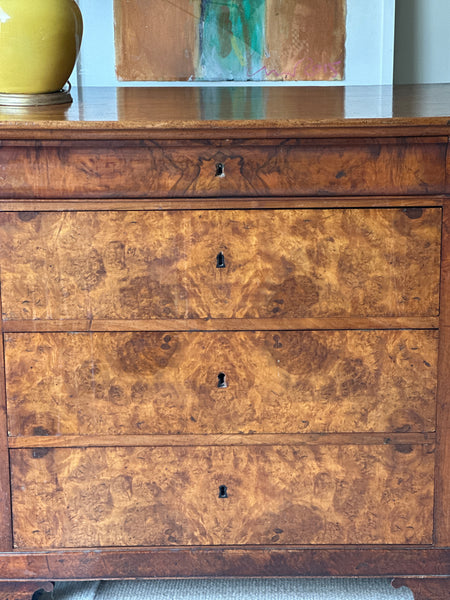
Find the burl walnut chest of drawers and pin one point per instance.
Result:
(225, 336)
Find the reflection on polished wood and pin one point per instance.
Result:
(307, 111)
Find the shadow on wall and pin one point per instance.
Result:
(422, 43)
(406, 61)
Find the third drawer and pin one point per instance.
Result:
(221, 382)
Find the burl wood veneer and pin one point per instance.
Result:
(309, 494)
(225, 336)
(209, 382)
(221, 264)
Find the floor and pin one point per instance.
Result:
(234, 589)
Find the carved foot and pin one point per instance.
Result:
(22, 590)
(426, 589)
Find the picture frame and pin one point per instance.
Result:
(369, 49)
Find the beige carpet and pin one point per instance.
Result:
(234, 589)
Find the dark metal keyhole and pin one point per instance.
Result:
(222, 380)
(220, 170)
(220, 261)
(223, 491)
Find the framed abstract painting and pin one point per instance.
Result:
(246, 42)
(225, 40)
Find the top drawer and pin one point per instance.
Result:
(225, 169)
(225, 264)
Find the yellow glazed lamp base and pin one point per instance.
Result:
(39, 44)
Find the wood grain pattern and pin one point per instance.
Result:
(170, 496)
(228, 439)
(207, 324)
(305, 40)
(283, 264)
(442, 506)
(447, 179)
(106, 152)
(277, 382)
(150, 169)
(427, 588)
(5, 488)
(228, 561)
(23, 590)
(42, 204)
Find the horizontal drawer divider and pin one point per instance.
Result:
(279, 202)
(85, 441)
(241, 324)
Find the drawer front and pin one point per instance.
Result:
(171, 496)
(168, 383)
(220, 264)
(146, 169)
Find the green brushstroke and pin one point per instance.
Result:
(232, 35)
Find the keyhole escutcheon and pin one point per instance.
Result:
(222, 380)
(223, 491)
(220, 261)
(220, 170)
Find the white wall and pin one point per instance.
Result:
(422, 41)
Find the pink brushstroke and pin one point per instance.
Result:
(332, 67)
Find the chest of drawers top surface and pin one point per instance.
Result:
(178, 112)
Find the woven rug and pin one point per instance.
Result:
(231, 589)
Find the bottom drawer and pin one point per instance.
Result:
(147, 496)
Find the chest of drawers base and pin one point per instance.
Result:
(225, 343)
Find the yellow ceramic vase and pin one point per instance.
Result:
(39, 44)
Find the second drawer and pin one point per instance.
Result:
(220, 264)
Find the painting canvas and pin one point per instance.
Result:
(230, 40)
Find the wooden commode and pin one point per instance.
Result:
(225, 336)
